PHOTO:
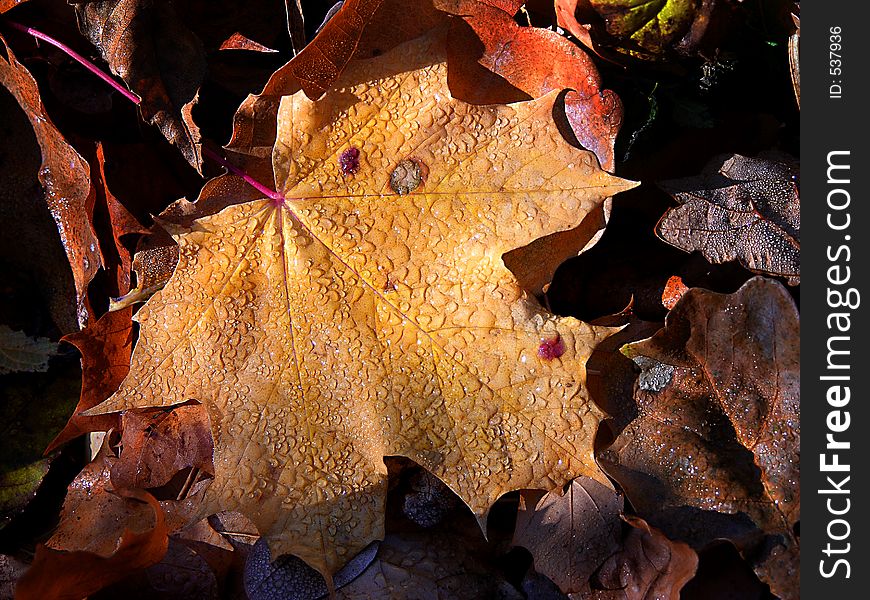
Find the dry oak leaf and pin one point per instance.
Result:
(717, 438)
(570, 535)
(352, 322)
(740, 208)
(648, 567)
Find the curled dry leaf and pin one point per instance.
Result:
(718, 429)
(349, 322)
(105, 346)
(159, 58)
(649, 566)
(571, 534)
(65, 178)
(794, 58)
(739, 208)
(92, 546)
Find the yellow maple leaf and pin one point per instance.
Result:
(370, 314)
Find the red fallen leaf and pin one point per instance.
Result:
(65, 177)
(322, 61)
(717, 438)
(534, 61)
(155, 445)
(85, 554)
(739, 208)
(238, 41)
(571, 535)
(674, 290)
(648, 567)
(161, 60)
(122, 223)
(105, 346)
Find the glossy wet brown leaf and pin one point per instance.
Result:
(102, 537)
(354, 322)
(739, 208)
(571, 534)
(105, 346)
(158, 57)
(155, 445)
(649, 566)
(718, 430)
(65, 178)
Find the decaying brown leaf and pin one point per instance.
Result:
(740, 208)
(65, 178)
(146, 45)
(102, 537)
(155, 445)
(648, 567)
(718, 429)
(428, 566)
(105, 346)
(355, 321)
(571, 534)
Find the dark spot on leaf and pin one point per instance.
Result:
(406, 177)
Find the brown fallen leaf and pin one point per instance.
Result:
(65, 178)
(9, 4)
(718, 431)
(648, 567)
(739, 208)
(102, 537)
(105, 346)
(158, 57)
(428, 566)
(155, 445)
(370, 315)
(571, 535)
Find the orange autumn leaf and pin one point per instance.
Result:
(370, 314)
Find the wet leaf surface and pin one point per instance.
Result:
(740, 208)
(571, 535)
(350, 278)
(718, 429)
(102, 537)
(65, 179)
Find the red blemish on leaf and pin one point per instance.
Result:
(552, 347)
(674, 290)
(349, 161)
